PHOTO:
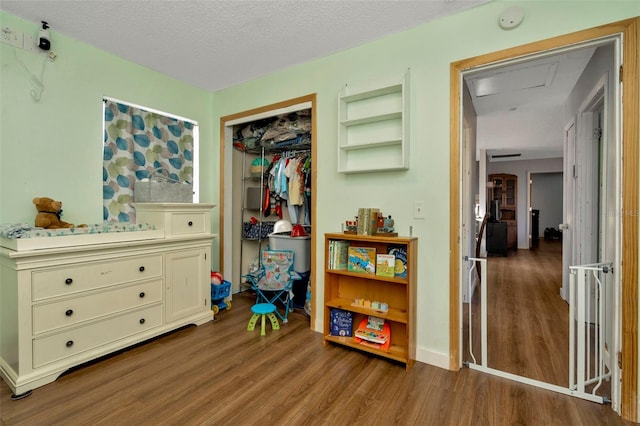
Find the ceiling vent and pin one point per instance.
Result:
(505, 155)
(526, 77)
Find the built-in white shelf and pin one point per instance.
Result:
(374, 127)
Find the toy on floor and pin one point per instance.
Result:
(219, 290)
(263, 310)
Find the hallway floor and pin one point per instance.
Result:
(528, 321)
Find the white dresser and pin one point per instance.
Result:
(66, 303)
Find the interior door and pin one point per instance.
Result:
(530, 207)
(569, 175)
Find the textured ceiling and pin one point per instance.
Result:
(220, 43)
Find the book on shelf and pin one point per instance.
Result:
(362, 259)
(400, 254)
(385, 265)
(367, 221)
(341, 322)
(340, 254)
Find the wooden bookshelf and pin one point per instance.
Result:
(342, 287)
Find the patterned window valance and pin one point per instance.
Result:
(137, 142)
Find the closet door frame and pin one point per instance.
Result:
(226, 179)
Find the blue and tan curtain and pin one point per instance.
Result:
(137, 143)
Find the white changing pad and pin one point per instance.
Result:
(24, 237)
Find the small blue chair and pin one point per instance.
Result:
(273, 282)
(263, 310)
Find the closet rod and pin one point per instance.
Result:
(294, 152)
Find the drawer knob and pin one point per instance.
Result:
(141, 294)
(68, 281)
(141, 269)
(69, 343)
(190, 223)
(141, 320)
(69, 312)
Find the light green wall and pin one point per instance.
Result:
(428, 51)
(54, 147)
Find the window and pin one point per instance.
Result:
(139, 143)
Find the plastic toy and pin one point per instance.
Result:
(219, 290)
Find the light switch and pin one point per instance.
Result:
(418, 209)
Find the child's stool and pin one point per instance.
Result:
(262, 310)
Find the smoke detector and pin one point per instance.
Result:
(511, 18)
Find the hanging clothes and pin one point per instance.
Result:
(292, 173)
(306, 171)
(289, 180)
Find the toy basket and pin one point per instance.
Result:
(162, 189)
(220, 291)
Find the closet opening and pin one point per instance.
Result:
(267, 183)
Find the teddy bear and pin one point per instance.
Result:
(49, 212)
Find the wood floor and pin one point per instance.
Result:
(527, 320)
(219, 373)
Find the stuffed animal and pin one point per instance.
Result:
(49, 212)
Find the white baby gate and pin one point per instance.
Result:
(587, 307)
(582, 371)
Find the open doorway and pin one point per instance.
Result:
(530, 334)
(545, 207)
(627, 399)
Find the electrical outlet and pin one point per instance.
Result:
(11, 37)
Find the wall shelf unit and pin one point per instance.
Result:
(342, 287)
(374, 127)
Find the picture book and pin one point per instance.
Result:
(367, 221)
(385, 264)
(340, 254)
(400, 253)
(341, 322)
(362, 259)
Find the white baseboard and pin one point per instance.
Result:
(430, 357)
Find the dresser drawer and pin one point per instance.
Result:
(49, 316)
(87, 276)
(176, 219)
(189, 223)
(74, 341)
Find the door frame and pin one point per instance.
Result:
(569, 136)
(630, 31)
(225, 176)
